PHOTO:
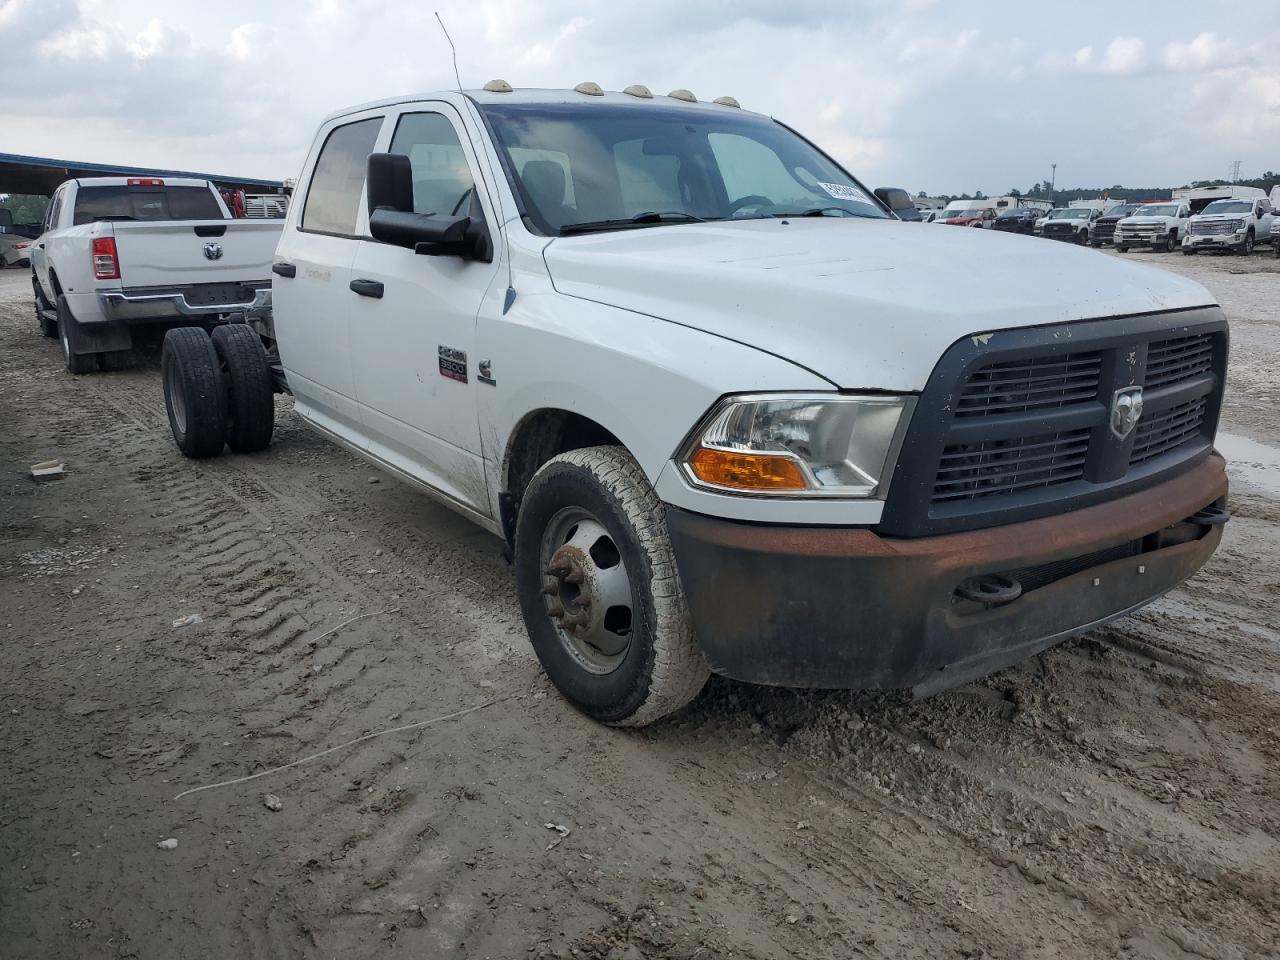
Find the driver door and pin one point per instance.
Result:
(413, 318)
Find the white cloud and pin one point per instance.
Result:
(918, 93)
(1123, 55)
(1205, 52)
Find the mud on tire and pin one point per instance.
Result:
(250, 400)
(661, 668)
(195, 394)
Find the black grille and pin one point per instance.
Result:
(1104, 229)
(1182, 358)
(1168, 430)
(1017, 386)
(993, 468)
(1028, 422)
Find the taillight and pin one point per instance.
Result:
(105, 264)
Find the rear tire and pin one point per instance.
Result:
(76, 363)
(48, 327)
(250, 400)
(591, 514)
(195, 394)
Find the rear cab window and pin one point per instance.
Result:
(146, 203)
(333, 196)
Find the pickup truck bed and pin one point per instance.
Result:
(117, 253)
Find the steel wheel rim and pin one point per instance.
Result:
(177, 402)
(586, 590)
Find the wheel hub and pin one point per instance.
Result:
(587, 590)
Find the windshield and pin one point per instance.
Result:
(146, 203)
(1157, 210)
(1229, 206)
(1075, 213)
(1122, 211)
(601, 166)
(1053, 213)
(1015, 212)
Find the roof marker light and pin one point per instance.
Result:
(498, 86)
(683, 94)
(727, 101)
(589, 88)
(144, 182)
(639, 90)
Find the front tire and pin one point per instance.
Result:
(599, 589)
(250, 400)
(195, 394)
(1171, 242)
(1121, 248)
(1247, 249)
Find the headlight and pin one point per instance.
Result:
(821, 445)
(1237, 225)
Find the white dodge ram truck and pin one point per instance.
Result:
(121, 251)
(730, 414)
(1160, 226)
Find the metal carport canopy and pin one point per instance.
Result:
(41, 175)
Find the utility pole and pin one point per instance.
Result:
(1235, 171)
(1053, 181)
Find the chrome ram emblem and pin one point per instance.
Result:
(213, 251)
(1126, 410)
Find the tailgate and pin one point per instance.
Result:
(183, 252)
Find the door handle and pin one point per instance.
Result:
(284, 269)
(367, 288)
(39, 246)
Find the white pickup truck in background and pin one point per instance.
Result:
(1234, 225)
(117, 252)
(1160, 226)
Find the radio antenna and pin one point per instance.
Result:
(456, 76)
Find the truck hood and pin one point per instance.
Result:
(1148, 221)
(866, 304)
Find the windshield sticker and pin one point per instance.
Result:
(842, 192)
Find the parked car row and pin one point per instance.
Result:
(1232, 224)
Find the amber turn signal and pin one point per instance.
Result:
(746, 471)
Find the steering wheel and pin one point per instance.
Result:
(751, 200)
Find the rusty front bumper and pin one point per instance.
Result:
(844, 607)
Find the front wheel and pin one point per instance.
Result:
(1171, 242)
(1121, 248)
(1247, 249)
(600, 592)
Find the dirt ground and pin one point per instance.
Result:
(1118, 796)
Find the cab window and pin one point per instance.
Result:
(442, 182)
(333, 197)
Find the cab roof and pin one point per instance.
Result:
(524, 95)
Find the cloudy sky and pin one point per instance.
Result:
(949, 96)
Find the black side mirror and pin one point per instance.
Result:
(392, 219)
